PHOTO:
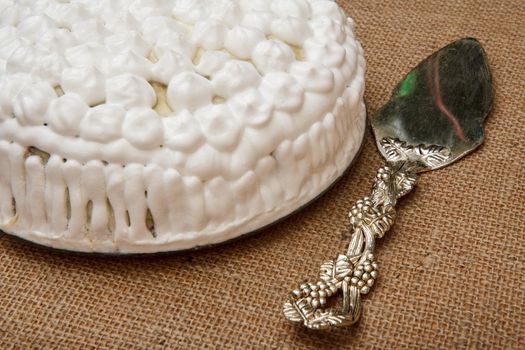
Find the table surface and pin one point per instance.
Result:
(452, 270)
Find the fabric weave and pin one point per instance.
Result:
(452, 271)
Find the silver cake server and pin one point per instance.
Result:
(434, 117)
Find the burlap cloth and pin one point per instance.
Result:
(452, 271)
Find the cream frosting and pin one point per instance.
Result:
(291, 30)
(146, 125)
(143, 128)
(272, 56)
(103, 123)
(234, 77)
(283, 91)
(251, 108)
(130, 91)
(189, 91)
(182, 131)
(241, 41)
(211, 62)
(170, 64)
(31, 102)
(294, 8)
(87, 82)
(209, 34)
(65, 114)
(259, 19)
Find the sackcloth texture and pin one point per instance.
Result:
(452, 270)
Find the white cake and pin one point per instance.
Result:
(146, 126)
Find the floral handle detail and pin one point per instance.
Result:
(353, 274)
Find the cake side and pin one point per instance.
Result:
(163, 128)
(147, 209)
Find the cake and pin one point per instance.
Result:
(147, 126)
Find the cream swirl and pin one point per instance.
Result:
(234, 77)
(295, 8)
(219, 127)
(23, 58)
(49, 68)
(259, 19)
(130, 91)
(209, 34)
(129, 61)
(241, 41)
(272, 56)
(30, 104)
(143, 9)
(211, 62)
(87, 55)
(251, 108)
(326, 52)
(157, 26)
(10, 86)
(227, 11)
(9, 41)
(66, 113)
(65, 14)
(103, 123)
(178, 42)
(326, 27)
(170, 64)
(143, 128)
(328, 9)
(122, 22)
(189, 91)
(32, 28)
(127, 41)
(283, 91)
(189, 11)
(91, 30)
(56, 40)
(291, 30)
(314, 77)
(87, 82)
(182, 132)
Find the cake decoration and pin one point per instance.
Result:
(148, 126)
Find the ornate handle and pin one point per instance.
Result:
(353, 274)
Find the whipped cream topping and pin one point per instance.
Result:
(234, 77)
(220, 129)
(31, 102)
(291, 30)
(313, 77)
(259, 19)
(283, 91)
(182, 131)
(251, 108)
(211, 62)
(272, 56)
(169, 65)
(65, 114)
(210, 103)
(130, 91)
(103, 123)
(87, 82)
(241, 41)
(143, 128)
(209, 34)
(189, 91)
(294, 8)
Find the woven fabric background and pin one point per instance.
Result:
(452, 271)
